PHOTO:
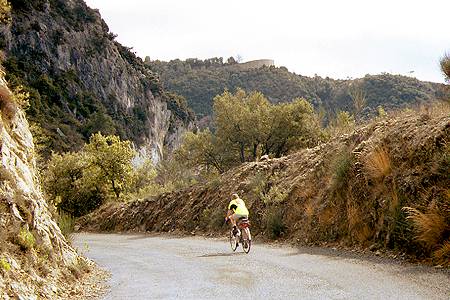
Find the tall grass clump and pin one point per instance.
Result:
(67, 224)
(378, 163)
(432, 230)
(7, 105)
(341, 167)
(442, 255)
(430, 226)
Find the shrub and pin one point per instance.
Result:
(212, 218)
(21, 97)
(5, 265)
(67, 224)
(275, 222)
(5, 12)
(342, 166)
(257, 184)
(25, 239)
(274, 196)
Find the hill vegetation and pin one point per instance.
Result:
(199, 81)
(384, 186)
(247, 127)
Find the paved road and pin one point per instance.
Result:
(149, 267)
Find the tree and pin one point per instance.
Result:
(292, 126)
(230, 114)
(99, 122)
(201, 149)
(445, 66)
(111, 159)
(67, 186)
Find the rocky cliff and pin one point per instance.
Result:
(82, 81)
(35, 259)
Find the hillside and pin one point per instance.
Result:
(350, 191)
(199, 81)
(82, 81)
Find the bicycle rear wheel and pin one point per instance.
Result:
(233, 241)
(247, 242)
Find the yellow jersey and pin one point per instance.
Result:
(238, 206)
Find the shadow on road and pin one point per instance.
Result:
(221, 254)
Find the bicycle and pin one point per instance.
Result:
(244, 238)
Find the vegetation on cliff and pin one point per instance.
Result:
(80, 80)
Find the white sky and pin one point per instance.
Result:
(336, 38)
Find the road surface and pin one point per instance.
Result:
(159, 267)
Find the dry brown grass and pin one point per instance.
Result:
(429, 226)
(326, 216)
(395, 201)
(7, 104)
(442, 255)
(378, 163)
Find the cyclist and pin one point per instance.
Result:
(236, 211)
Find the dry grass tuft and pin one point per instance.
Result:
(442, 255)
(7, 104)
(430, 227)
(378, 163)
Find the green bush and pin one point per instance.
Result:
(79, 182)
(341, 167)
(25, 239)
(67, 224)
(5, 265)
(212, 218)
(275, 195)
(275, 222)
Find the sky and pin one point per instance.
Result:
(335, 38)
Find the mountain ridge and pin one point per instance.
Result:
(200, 80)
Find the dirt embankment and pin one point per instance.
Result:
(350, 191)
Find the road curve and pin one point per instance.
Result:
(155, 267)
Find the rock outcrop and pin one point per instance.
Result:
(82, 81)
(35, 258)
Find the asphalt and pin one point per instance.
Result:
(164, 267)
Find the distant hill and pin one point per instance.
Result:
(200, 80)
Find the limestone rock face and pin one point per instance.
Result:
(32, 249)
(66, 46)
